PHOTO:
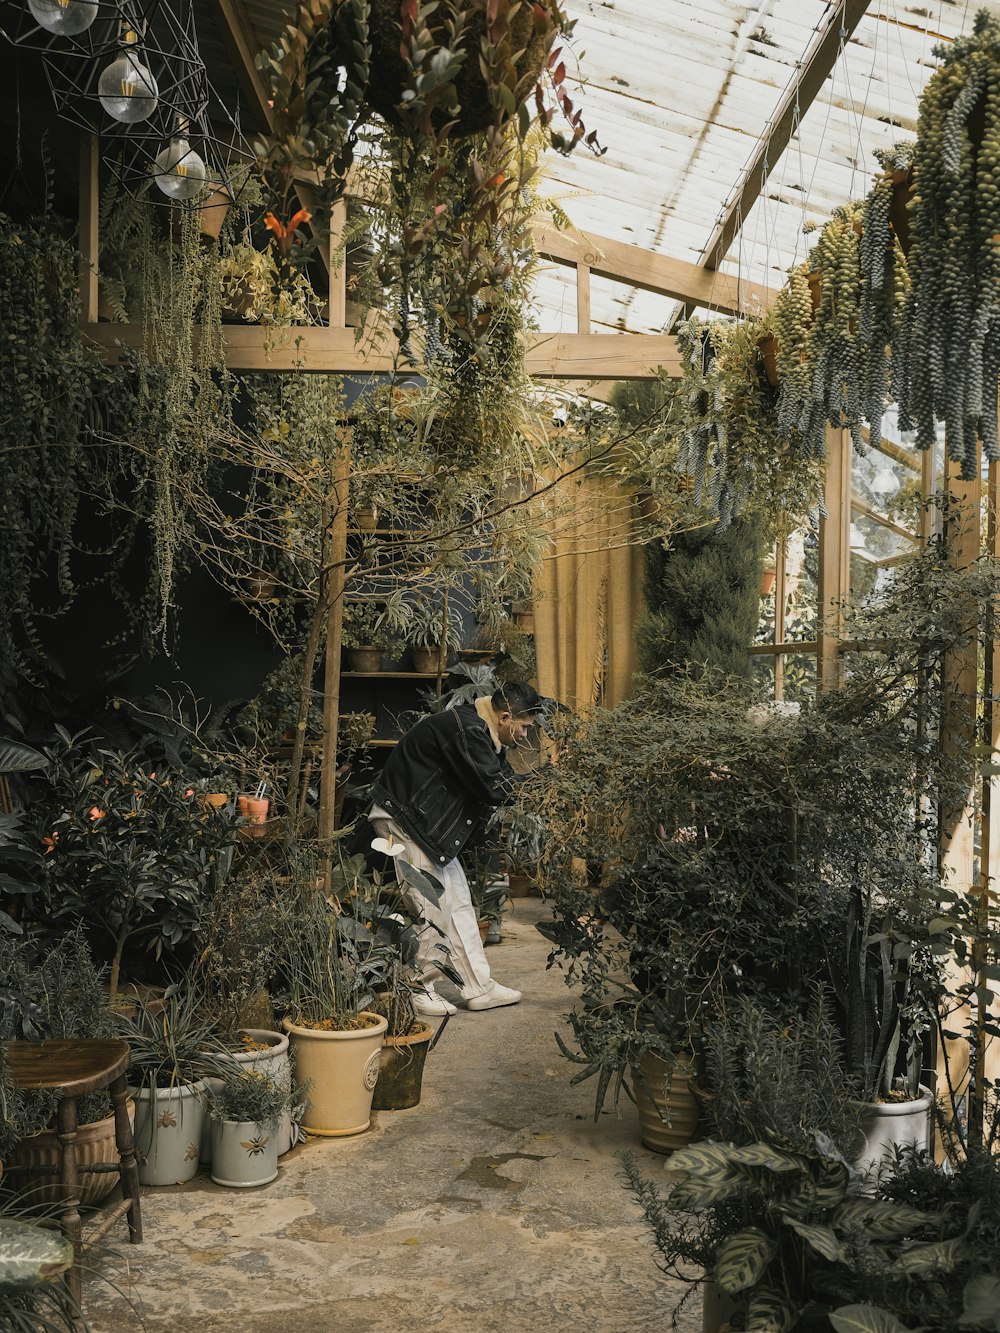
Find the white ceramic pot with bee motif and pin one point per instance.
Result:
(244, 1153)
(168, 1125)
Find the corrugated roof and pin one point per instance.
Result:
(682, 91)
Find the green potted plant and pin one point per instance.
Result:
(432, 633)
(245, 1112)
(175, 1045)
(325, 957)
(67, 996)
(364, 634)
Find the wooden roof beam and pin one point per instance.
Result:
(575, 356)
(631, 264)
(796, 101)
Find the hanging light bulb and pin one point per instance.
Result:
(127, 89)
(66, 18)
(885, 481)
(180, 173)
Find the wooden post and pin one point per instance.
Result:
(834, 556)
(89, 239)
(582, 298)
(337, 270)
(958, 734)
(331, 667)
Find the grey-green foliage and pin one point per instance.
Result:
(949, 340)
(884, 284)
(702, 595)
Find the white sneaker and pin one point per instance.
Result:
(495, 998)
(429, 1004)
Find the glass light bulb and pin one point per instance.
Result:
(127, 89)
(180, 173)
(66, 18)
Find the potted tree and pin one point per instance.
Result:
(363, 634)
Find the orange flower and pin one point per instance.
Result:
(189, 792)
(285, 235)
(50, 840)
(96, 813)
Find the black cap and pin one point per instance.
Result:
(518, 698)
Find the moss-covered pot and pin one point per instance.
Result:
(401, 1071)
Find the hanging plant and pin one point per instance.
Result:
(48, 386)
(459, 88)
(821, 355)
(885, 283)
(949, 340)
(731, 442)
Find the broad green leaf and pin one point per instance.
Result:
(762, 1154)
(770, 1311)
(30, 1255)
(698, 1157)
(981, 1303)
(742, 1260)
(938, 1255)
(865, 1319)
(822, 1239)
(18, 758)
(880, 1220)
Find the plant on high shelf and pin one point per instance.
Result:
(253, 289)
(371, 628)
(734, 849)
(433, 631)
(949, 340)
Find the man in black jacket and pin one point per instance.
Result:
(438, 788)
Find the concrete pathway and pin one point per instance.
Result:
(495, 1206)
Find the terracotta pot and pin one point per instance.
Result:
(767, 582)
(367, 659)
(484, 930)
(401, 1071)
(342, 1068)
(256, 808)
(95, 1143)
(669, 1117)
(260, 588)
(768, 350)
(214, 212)
(430, 660)
(366, 520)
(214, 800)
(899, 209)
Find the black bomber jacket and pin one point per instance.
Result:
(442, 779)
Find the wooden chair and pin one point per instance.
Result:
(70, 1069)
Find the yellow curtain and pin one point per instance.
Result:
(588, 595)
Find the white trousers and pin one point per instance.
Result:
(454, 916)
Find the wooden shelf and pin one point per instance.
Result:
(382, 745)
(390, 675)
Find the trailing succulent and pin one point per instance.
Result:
(949, 341)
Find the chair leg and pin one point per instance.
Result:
(127, 1168)
(69, 1181)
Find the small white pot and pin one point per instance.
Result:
(168, 1125)
(244, 1153)
(273, 1061)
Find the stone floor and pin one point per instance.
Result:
(495, 1206)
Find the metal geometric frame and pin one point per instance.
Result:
(168, 42)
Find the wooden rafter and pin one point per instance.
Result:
(333, 350)
(652, 272)
(798, 97)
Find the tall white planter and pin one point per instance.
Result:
(888, 1124)
(168, 1126)
(244, 1153)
